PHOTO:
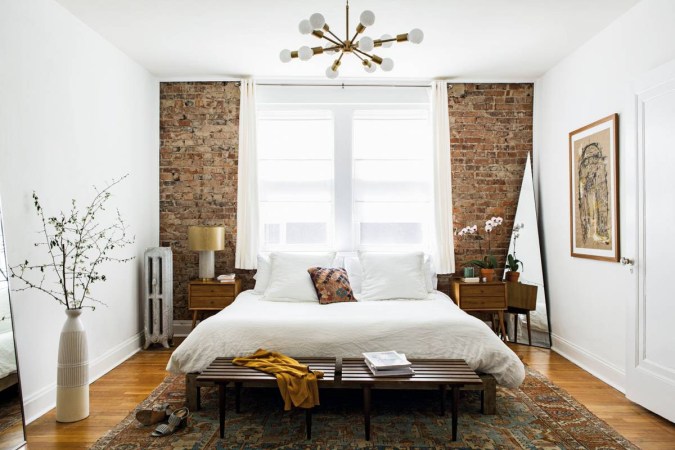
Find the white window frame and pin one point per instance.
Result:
(343, 102)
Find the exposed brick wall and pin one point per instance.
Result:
(491, 134)
(199, 136)
(490, 137)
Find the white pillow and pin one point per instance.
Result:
(392, 276)
(289, 280)
(262, 275)
(355, 274)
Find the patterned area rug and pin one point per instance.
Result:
(538, 415)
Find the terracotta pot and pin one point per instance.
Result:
(487, 273)
(512, 276)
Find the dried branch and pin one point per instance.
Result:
(77, 245)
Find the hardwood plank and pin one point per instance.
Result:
(115, 394)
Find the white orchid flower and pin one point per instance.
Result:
(474, 228)
(488, 227)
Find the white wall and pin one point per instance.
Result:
(74, 112)
(589, 299)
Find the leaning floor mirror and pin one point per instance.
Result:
(12, 431)
(528, 319)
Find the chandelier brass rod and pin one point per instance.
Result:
(339, 44)
(356, 50)
(333, 34)
(347, 25)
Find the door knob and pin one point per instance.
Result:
(626, 261)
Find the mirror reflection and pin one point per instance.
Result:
(11, 408)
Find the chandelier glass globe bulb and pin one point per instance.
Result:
(285, 55)
(386, 44)
(366, 44)
(305, 27)
(317, 21)
(387, 64)
(416, 36)
(367, 18)
(330, 73)
(305, 53)
(371, 68)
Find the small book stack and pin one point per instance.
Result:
(226, 278)
(470, 279)
(388, 364)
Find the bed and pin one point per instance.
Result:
(430, 328)
(303, 305)
(8, 375)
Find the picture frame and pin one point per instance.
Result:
(594, 190)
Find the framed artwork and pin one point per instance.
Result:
(594, 190)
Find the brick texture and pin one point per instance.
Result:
(490, 137)
(491, 134)
(199, 136)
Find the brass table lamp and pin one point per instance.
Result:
(206, 240)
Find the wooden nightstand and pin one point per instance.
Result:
(211, 295)
(482, 297)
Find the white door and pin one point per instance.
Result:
(650, 371)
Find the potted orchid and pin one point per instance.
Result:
(513, 263)
(489, 262)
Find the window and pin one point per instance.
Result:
(295, 173)
(392, 178)
(344, 169)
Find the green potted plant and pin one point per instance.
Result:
(76, 245)
(513, 263)
(488, 263)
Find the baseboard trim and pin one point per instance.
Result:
(44, 400)
(593, 364)
(182, 328)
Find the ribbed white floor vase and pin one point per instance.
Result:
(72, 379)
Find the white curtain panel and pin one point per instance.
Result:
(247, 187)
(443, 252)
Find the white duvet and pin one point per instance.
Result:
(7, 355)
(433, 328)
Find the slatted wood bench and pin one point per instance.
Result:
(222, 372)
(436, 374)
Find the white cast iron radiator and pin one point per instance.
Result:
(158, 296)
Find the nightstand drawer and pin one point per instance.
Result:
(212, 290)
(198, 302)
(482, 290)
(482, 303)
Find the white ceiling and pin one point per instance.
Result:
(481, 40)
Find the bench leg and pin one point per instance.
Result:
(237, 397)
(192, 400)
(442, 388)
(308, 422)
(489, 395)
(366, 410)
(221, 408)
(455, 411)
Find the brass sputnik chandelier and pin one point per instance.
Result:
(317, 26)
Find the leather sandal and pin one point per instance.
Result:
(157, 414)
(178, 419)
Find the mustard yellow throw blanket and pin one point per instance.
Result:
(297, 384)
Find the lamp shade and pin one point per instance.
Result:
(206, 238)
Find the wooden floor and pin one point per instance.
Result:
(118, 392)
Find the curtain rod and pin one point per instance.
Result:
(343, 85)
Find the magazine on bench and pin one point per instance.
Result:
(387, 360)
(400, 372)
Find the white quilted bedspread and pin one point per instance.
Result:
(433, 328)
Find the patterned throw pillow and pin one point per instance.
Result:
(331, 284)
